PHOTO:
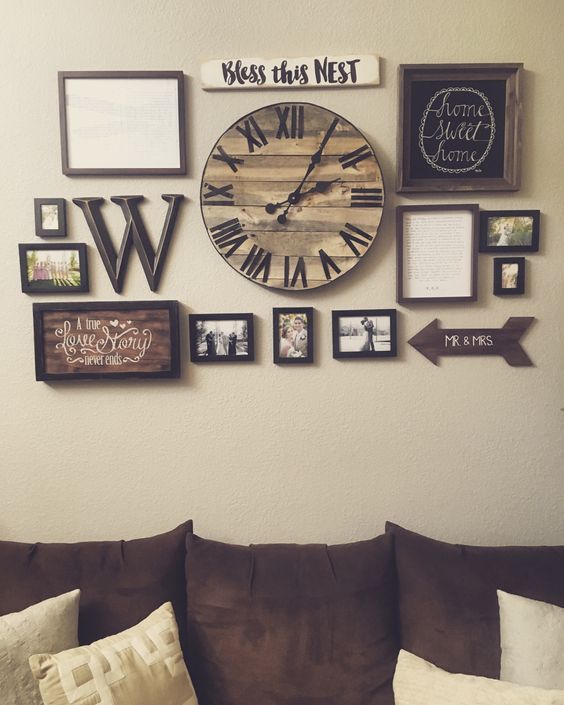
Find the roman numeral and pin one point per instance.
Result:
(366, 198)
(351, 239)
(221, 192)
(257, 261)
(226, 235)
(299, 271)
(353, 158)
(253, 133)
(327, 262)
(228, 159)
(296, 130)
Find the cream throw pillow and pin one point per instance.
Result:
(50, 625)
(140, 666)
(532, 641)
(417, 682)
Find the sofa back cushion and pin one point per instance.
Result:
(448, 602)
(291, 625)
(121, 582)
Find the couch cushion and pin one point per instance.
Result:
(291, 625)
(121, 582)
(448, 602)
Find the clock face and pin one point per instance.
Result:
(292, 196)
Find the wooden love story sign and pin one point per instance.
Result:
(112, 339)
(432, 341)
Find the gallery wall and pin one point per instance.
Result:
(471, 450)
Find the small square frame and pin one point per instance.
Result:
(40, 231)
(276, 339)
(486, 216)
(391, 313)
(29, 288)
(199, 358)
(499, 289)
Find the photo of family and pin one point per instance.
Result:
(293, 335)
(513, 231)
(364, 333)
(509, 276)
(52, 269)
(221, 337)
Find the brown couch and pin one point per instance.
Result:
(292, 624)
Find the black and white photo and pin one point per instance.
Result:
(217, 337)
(364, 333)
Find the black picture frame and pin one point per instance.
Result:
(486, 225)
(39, 204)
(291, 352)
(459, 127)
(509, 284)
(54, 278)
(201, 345)
(347, 349)
(164, 341)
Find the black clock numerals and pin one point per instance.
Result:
(228, 234)
(353, 158)
(257, 261)
(253, 133)
(327, 262)
(299, 271)
(366, 198)
(364, 239)
(228, 159)
(223, 193)
(296, 129)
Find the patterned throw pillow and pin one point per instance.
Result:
(143, 664)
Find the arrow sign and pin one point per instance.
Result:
(433, 341)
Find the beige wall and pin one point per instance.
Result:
(471, 450)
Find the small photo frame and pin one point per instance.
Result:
(292, 335)
(50, 217)
(221, 337)
(509, 231)
(509, 276)
(365, 333)
(53, 269)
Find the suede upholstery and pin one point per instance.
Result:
(121, 582)
(291, 625)
(447, 596)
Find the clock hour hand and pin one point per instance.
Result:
(319, 187)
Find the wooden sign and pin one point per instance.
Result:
(302, 72)
(432, 341)
(106, 340)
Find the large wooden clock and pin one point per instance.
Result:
(292, 196)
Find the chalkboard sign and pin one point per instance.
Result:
(459, 127)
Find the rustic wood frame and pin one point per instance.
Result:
(61, 231)
(500, 290)
(390, 312)
(511, 74)
(500, 249)
(71, 171)
(474, 210)
(82, 250)
(193, 318)
(276, 313)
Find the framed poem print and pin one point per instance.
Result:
(50, 217)
(292, 330)
(459, 127)
(509, 276)
(221, 337)
(509, 231)
(106, 340)
(53, 269)
(122, 122)
(365, 333)
(437, 248)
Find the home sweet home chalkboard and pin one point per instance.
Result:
(459, 127)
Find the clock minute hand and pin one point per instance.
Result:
(319, 187)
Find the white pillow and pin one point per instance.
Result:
(50, 625)
(417, 682)
(532, 641)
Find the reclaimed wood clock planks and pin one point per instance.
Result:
(292, 196)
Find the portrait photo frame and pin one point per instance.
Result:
(459, 127)
(50, 217)
(54, 268)
(293, 335)
(122, 122)
(509, 231)
(509, 276)
(221, 337)
(364, 333)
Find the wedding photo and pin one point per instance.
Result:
(221, 337)
(53, 269)
(293, 335)
(509, 276)
(512, 231)
(364, 333)
(50, 220)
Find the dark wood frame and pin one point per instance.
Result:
(178, 75)
(498, 289)
(276, 313)
(511, 73)
(82, 250)
(390, 312)
(170, 306)
(400, 210)
(62, 215)
(193, 318)
(499, 249)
